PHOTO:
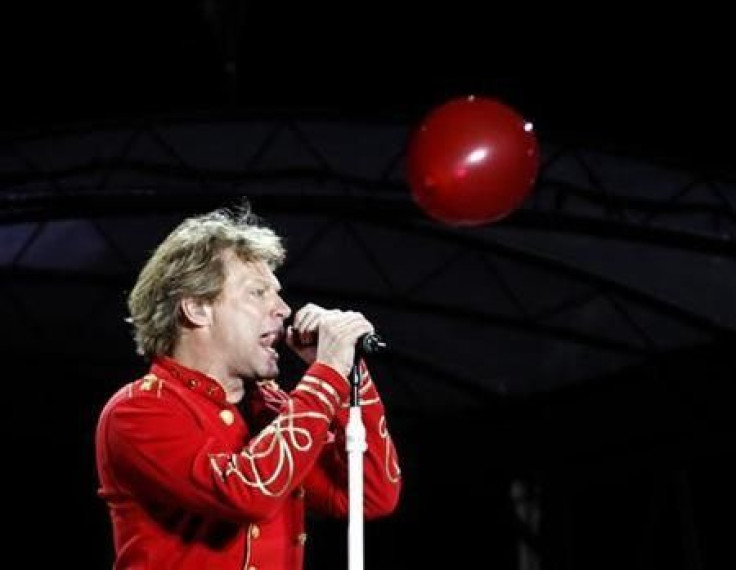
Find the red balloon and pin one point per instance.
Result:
(473, 160)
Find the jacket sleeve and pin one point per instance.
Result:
(326, 485)
(160, 451)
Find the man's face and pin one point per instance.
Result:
(248, 319)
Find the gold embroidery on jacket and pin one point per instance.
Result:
(326, 386)
(391, 466)
(361, 393)
(279, 440)
(247, 548)
(325, 400)
(151, 381)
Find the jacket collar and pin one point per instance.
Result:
(168, 368)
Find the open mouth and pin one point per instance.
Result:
(270, 339)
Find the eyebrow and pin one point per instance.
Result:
(262, 281)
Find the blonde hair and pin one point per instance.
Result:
(189, 263)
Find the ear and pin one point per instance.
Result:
(197, 311)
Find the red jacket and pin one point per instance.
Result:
(189, 484)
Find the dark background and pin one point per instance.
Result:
(626, 78)
(632, 471)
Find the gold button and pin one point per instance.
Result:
(301, 538)
(300, 492)
(255, 532)
(227, 416)
(192, 383)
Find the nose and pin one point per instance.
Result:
(282, 308)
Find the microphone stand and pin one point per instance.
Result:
(355, 444)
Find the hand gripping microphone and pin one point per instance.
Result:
(366, 345)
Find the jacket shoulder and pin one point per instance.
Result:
(148, 387)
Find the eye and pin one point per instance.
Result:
(259, 292)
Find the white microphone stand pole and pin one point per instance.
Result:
(355, 444)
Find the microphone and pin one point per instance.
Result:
(366, 345)
(370, 344)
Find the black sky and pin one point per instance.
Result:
(653, 84)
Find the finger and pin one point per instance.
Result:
(310, 321)
(309, 329)
(307, 317)
(298, 318)
(351, 327)
(296, 340)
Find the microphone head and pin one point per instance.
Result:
(371, 344)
